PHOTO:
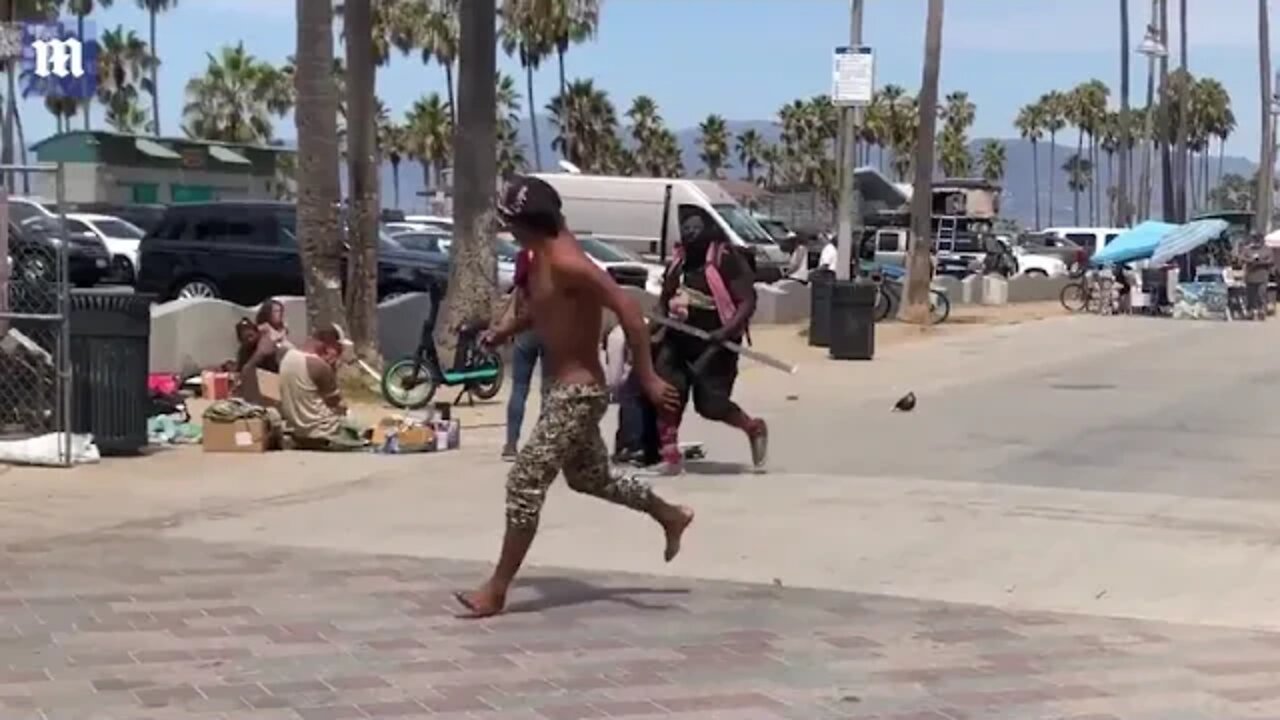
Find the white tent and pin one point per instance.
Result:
(1273, 239)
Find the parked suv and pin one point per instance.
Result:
(33, 252)
(246, 252)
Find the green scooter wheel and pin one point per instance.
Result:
(488, 389)
(407, 384)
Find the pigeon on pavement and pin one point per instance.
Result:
(906, 403)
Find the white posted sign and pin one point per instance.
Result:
(853, 78)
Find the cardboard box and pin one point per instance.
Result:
(238, 436)
(409, 438)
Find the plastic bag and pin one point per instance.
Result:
(46, 450)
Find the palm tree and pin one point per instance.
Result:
(1079, 173)
(1055, 119)
(570, 22)
(364, 204)
(430, 137)
(587, 123)
(713, 138)
(993, 159)
(958, 114)
(154, 8)
(524, 35)
(915, 304)
(82, 9)
(125, 115)
(1123, 126)
(391, 140)
(1030, 124)
(440, 43)
(319, 190)
(235, 99)
(124, 64)
(473, 272)
(1109, 144)
(1077, 113)
(1089, 106)
(62, 108)
(510, 152)
(750, 147)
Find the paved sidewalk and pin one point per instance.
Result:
(124, 626)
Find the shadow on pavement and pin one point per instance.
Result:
(560, 592)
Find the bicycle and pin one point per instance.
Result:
(410, 383)
(889, 296)
(1079, 297)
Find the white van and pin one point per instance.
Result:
(627, 211)
(1091, 239)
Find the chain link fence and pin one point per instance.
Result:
(34, 305)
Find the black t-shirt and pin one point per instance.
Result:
(737, 276)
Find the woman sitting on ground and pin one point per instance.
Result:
(270, 321)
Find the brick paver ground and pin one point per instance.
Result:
(132, 626)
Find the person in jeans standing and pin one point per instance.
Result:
(526, 353)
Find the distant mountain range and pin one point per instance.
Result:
(1018, 202)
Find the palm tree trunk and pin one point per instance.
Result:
(362, 183)
(319, 191)
(1168, 201)
(88, 103)
(1075, 189)
(1113, 195)
(1222, 153)
(22, 147)
(564, 82)
(533, 116)
(10, 111)
(155, 80)
(448, 85)
(473, 270)
(915, 296)
(1181, 167)
(1035, 178)
(1096, 180)
(1053, 171)
(1262, 220)
(1126, 157)
(395, 182)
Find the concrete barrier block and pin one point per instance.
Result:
(781, 303)
(190, 335)
(400, 324)
(1030, 288)
(995, 290)
(950, 286)
(970, 290)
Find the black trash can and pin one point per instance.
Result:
(853, 319)
(110, 357)
(820, 307)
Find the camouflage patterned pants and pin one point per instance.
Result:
(567, 438)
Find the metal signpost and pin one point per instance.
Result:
(853, 85)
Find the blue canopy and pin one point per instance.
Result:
(1137, 244)
(1187, 238)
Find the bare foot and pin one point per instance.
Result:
(675, 520)
(481, 603)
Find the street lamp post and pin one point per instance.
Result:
(1153, 50)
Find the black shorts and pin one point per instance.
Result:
(712, 388)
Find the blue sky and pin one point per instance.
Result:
(745, 58)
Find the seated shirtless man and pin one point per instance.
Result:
(566, 293)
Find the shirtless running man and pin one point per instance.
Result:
(566, 294)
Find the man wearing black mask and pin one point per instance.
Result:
(710, 286)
